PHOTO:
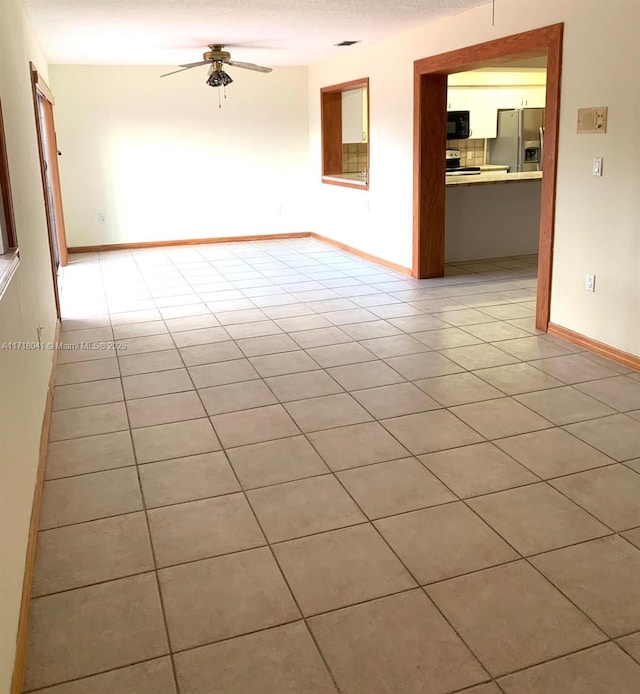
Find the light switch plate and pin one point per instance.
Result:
(592, 120)
(597, 166)
(590, 283)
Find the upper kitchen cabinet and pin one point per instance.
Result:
(355, 117)
(481, 102)
(458, 99)
(483, 92)
(530, 96)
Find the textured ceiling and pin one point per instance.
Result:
(271, 32)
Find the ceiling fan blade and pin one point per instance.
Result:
(200, 62)
(249, 66)
(182, 69)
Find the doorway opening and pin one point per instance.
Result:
(48, 150)
(430, 137)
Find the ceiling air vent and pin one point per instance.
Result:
(346, 43)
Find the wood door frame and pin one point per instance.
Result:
(40, 89)
(429, 143)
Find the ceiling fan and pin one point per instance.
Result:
(216, 57)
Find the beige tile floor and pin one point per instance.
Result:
(296, 471)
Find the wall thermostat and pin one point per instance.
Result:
(592, 120)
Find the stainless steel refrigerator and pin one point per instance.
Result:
(520, 140)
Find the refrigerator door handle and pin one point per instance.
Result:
(541, 156)
(520, 155)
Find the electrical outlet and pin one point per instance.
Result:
(469, 155)
(590, 283)
(101, 217)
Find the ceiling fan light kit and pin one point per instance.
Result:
(218, 77)
(216, 57)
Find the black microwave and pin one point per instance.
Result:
(458, 125)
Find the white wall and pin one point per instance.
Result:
(492, 221)
(596, 218)
(161, 161)
(28, 302)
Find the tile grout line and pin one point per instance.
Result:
(95, 674)
(148, 526)
(315, 397)
(324, 474)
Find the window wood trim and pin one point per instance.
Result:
(331, 133)
(5, 187)
(10, 259)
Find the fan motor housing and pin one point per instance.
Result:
(216, 53)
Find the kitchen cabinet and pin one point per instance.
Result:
(484, 100)
(483, 113)
(493, 77)
(458, 99)
(355, 119)
(481, 104)
(492, 221)
(521, 97)
(536, 97)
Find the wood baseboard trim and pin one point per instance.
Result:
(362, 254)
(34, 524)
(230, 239)
(596, 347)
(187, 242)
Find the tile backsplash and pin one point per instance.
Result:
(354, 157)
(475, 147)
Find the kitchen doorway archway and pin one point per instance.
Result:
(430, 116)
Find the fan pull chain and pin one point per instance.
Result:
(219, 102)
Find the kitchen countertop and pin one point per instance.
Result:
(356, 178)
(488, 174)
(485, 177)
